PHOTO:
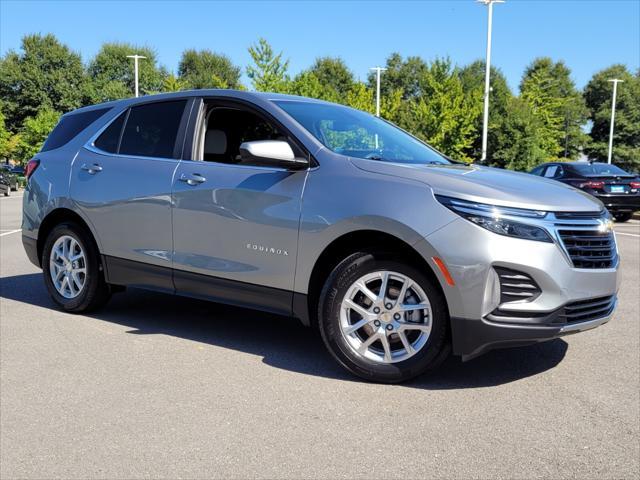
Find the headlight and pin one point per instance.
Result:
(497, 219)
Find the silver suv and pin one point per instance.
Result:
(395, 253)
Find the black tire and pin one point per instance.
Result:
(622, 217)
(336, 286)
(15, 187)
(96, 291)
(8, 192)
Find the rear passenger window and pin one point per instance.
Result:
(151, 129)
(109, 139)
(551, 171)
(71, 125)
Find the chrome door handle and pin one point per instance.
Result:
(192, 180)
(93, 169)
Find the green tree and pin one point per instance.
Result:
(537, 91)
(45, 74)
(442, 114)
(626, 138)
(171, 83)
(361, 97)
(34, 132)
(112, 73)
(472, 78)
(568, 103)
(269, 71)
(401, 75)
(5, 136)
(206, 69)
(518, 140)
(333, 74)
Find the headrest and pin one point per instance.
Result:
(215, 142)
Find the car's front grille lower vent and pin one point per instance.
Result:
(585, 310)
(589, 248)
(515, 285)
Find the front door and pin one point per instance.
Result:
(235, 226)
(122, 184)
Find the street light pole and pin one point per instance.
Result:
(615, 82)
(135, 70)
(487, 85)
(378, 70)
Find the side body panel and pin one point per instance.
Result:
(240, 224)
(340, 198)
(128, 202)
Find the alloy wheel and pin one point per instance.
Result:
(385, 317)
(68, 266)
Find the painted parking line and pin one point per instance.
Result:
(10, 232)
(627, 234)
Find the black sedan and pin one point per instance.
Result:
(617, 189)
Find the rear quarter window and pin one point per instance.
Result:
(69, 126)
(151, 130)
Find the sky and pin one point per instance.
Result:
(588, 35)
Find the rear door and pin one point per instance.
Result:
(235, 226)
(122, 182)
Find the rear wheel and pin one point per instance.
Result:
(72, 271)
(622, 217)
(382, 319)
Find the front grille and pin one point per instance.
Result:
(515, 285)
(579, 215)
(589, 248)
(585, 310)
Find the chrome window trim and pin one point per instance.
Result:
(90, 145)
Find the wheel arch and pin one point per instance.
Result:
(56, 217)
(355, 241)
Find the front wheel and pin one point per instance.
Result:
(72, 271)
(622, 217)
(383, 320)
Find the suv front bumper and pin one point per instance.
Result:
(478, 324)
(475, 337)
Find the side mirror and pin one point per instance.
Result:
(271, 153)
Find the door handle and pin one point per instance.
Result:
(192, 180)
(92, 170)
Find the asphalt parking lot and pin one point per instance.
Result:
(156, 386)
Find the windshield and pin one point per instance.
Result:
(357, 134)
(598, 169)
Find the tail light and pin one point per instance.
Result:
(31, 167)
(634, 185)
(592, 185)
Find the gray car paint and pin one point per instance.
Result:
(131, 210)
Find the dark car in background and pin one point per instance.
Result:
(9, 179)
(617, 189)
(5, 186)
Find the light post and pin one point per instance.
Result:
(615, 82)
(487, 87)
(135, 69)
(378, 70)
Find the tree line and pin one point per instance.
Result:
(549, 118)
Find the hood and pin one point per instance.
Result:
(490, 185)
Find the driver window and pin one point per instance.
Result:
(225, 129)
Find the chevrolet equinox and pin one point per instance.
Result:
(395, 253)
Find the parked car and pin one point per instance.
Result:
(315, 210)
(18, 170)
(617, 189)
(10, 177)
(5, 185)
